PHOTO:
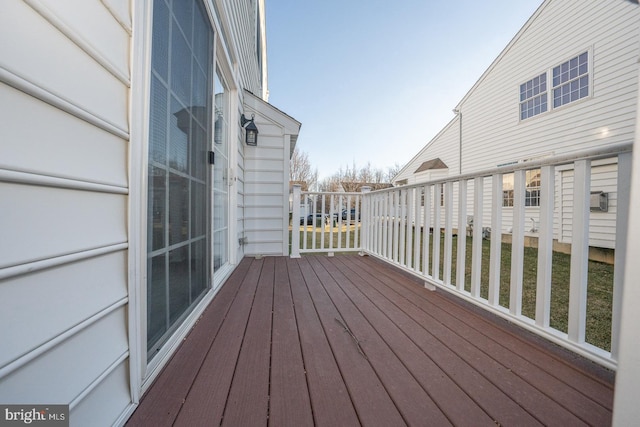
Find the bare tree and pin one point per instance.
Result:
(351, 178)
(301, 170)
(392, 171)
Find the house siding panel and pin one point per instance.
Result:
(64, 152)
(50, 222)
(242, 21)
(105, 401)
(57, 286)
(79, 361)
(90, 24)
(240, 198)
(60, 66)
(53, 150)
(264, 194)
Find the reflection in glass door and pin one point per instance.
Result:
(220, 175)
(179, 181)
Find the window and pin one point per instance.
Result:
(533, 97)
(571, 80)
(532, 188)
(507, 190)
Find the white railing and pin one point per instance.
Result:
(329, 223)
(419, 227)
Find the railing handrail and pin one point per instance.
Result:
(343, 193)
(595, 153)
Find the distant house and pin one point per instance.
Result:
(127, 191)
(567, 81)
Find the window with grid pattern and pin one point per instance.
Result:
(533, 97)
(571, 80)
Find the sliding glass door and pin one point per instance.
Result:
(179, 179)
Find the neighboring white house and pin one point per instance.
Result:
(567, 81)
(127, 191)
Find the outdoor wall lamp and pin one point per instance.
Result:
(251, 129)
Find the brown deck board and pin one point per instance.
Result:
(595, 388)
(373, 404)
(170, 389)
(423, 330)
(413, 402)
(331, 401)
(207, 398)
(248, 400)
(537, 390)
(289, 403)
(269, 351)
(452, 400)
(537, 404)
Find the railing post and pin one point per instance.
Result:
(448, 232)
(426, 215)
(435, 266)
(402, 219)
(295, 222)
(579, 252)
(545, 247)
(462, 234)
(496, 239)
(622, 231)
(365, 219)
(408, 249)
(395, 203)
(517, 244)
(478, 227)
(417, 229)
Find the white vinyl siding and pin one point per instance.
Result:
(64, 93)
(602, 225)
(266, 180)
(264, 197)
(548, 40)
(243, 25)
(239, 194)
(106, 153)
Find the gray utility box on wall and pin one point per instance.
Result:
(599, 201)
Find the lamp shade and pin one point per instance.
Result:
(252, 133)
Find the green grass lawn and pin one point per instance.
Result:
(599, 289)
(339, 234)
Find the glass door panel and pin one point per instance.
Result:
(220, 175)
(179, 181)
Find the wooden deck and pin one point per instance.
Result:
(348, 341)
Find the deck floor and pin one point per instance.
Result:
(347, 341)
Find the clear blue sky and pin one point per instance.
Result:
(374, 81)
